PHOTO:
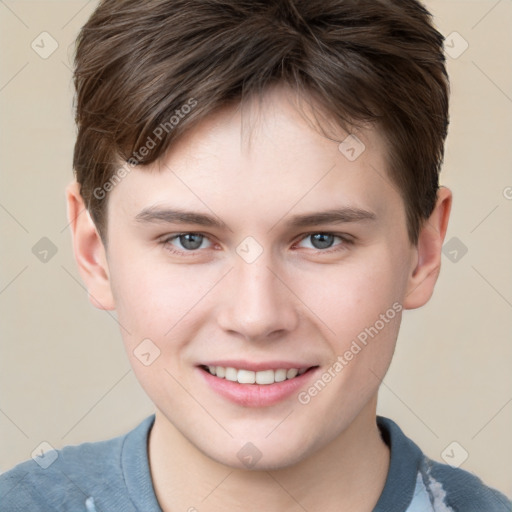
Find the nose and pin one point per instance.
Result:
(257, 305)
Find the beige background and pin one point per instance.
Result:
(64, 376)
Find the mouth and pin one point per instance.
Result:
(256, 385)
(261, 377)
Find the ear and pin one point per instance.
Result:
(90, 254)
(430, 242)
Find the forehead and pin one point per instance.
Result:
(268, 154)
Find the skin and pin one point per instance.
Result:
(294, 302)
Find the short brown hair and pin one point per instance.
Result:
(138, 64)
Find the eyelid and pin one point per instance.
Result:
(175, 234)
(345, 238)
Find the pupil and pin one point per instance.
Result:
(322, 240)
(188, 241)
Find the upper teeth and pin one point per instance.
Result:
(250, 377)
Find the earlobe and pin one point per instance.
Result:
(430, 242)
(89, 250)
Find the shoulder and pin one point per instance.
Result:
(416, 482)
(65, 479)
(60, 478)
(460, 490)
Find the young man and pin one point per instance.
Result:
(257, 197)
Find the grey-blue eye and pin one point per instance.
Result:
(321, 240)
(190, 241)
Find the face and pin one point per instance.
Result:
(259, 276)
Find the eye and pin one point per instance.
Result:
(322, 241)
(188, 241)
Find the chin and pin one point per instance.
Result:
(260, 454)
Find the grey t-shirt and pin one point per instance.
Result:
(114, 476)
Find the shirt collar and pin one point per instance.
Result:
(404, 464)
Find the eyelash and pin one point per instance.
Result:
(346, 240)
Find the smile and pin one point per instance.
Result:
(256, 384)
(263, 377)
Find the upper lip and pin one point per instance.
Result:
(257, 366)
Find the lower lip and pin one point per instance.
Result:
(256, 395)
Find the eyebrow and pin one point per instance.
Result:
(155, 214)
(173, 216)
(337, 216)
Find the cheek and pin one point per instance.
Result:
(360, 311)
(158, 300)
(142, 289)
(352, 296)
(154, 305)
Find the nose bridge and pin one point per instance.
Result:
(257, 303)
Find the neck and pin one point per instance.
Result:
(348, 473)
